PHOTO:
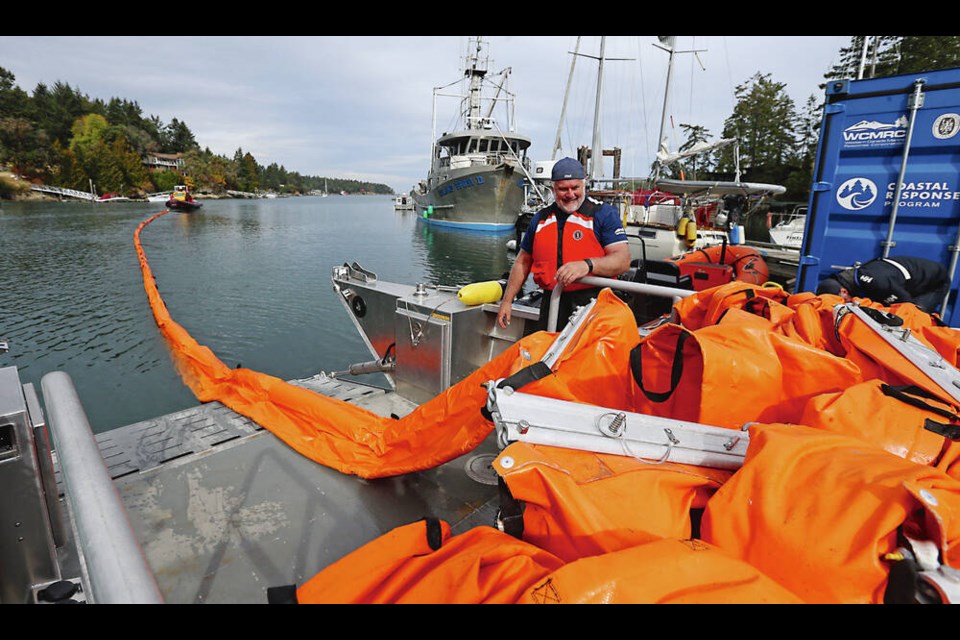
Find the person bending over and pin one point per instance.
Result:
(892, 280)
(573, 237)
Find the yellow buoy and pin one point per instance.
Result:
(682, 227)
(691, 233)
(480, 293)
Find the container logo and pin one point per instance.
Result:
(857, 193)
(946, 126)
(871, 133)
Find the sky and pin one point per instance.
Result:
(363, 107)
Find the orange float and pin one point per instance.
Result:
(713, 266)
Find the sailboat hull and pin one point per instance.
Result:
(485, 198)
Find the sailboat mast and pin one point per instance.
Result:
(566, 94)
(661, 142)
(596, 154)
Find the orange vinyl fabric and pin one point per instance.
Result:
(719, 264)
(480, 566)
(592, 366)
(668, 571)
(331, 432)
(579, 504)
(485, 566)
(875, 412)
(818, 511)
(729, 374)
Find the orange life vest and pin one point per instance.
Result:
(577, 242)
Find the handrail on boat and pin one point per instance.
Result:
(613, 283)
(116, 571)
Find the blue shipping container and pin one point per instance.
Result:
(886, 177)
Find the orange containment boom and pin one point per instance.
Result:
(329, 431)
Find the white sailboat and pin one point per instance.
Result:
(653, 217)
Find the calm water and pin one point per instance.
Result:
(248, 278)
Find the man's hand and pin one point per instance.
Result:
(503, 314)
(571, 272)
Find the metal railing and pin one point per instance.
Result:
(624, 285)
(116, 571)
(70, 193)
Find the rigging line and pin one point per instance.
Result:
(644, 121)
(730, 86)
(690, 114)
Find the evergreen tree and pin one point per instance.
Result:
(247, 174)
(928, 53)
(64, 106)
(21, 145)
(693, 135)
(764, 122)
(14, 102)
(177, 138)
(800, 176)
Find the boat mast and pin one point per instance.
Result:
(661, 142)
(475, 71)
(566, 94)
(504, 76)
(667, 45)
(596, 153)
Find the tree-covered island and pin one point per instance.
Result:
(60, 137)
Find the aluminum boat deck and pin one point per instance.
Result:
(224, 510)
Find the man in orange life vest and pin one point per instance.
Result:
(574, 237)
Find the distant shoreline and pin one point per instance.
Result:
(28, 195)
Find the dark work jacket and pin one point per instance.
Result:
(900, 279)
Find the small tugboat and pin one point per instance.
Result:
(182, 200)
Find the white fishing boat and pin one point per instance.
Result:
(403, 202)
(477, 170)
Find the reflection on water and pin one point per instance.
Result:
(248, 278)
(461, 257)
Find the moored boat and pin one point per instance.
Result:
(666, 217)
(403, 202)
(113, 197)
(182, 200)
(477, 170)
(788, 232)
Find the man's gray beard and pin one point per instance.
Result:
(573, 206)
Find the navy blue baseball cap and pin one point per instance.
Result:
(567, 169)
(829, 285)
